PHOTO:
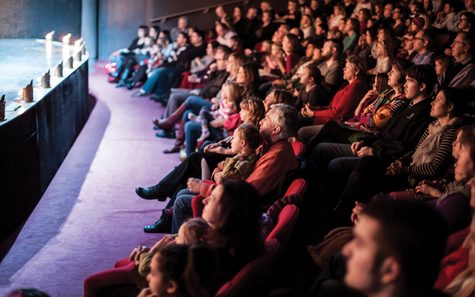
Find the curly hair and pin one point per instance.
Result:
(255, 108)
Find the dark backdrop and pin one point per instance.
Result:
(119, 19)
(35, 18)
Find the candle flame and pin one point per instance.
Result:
(66, 38)
(49, 36)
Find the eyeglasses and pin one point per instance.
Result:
(463, 19)
(459, 42)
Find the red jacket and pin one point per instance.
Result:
(343, 103)
(270, 169)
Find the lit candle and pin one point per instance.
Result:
(49, 47)
(78, 43)
(49, 36)
(66, 47)
(66, 39)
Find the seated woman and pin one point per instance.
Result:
(433, 155)
(452, 199)
(455, 204)
(232, 211)
(343, 103)
(374, 111)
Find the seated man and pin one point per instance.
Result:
(269, 172)
(396, 251)
(462, 74)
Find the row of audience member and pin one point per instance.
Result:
(380, 96)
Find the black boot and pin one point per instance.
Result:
(163, 225)
(151, 193)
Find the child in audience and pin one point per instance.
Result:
(245, 141)
(274, 61)
(383, 60)
(182, 270)
(222, 110)
(193, 231)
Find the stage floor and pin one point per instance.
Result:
(24, 60)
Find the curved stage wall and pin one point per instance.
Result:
(36, 137)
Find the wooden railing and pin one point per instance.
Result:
(204, 10)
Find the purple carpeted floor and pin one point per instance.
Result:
(90, 215)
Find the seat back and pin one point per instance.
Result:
(285, 225)
(297, 187)
(253, 279)
(197, 205)
(298, 148)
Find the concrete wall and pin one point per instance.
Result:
(34, 18)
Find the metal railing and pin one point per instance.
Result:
(204, 10)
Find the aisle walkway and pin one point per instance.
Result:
(90, 215)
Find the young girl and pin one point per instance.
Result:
(239, 164)
(383, 59)
(227, 106)
(182, 270)
(245, 142)
(274, 61)
(193, 231)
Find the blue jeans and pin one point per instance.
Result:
(195, 103)
(177, 97)
(153, 78)
(182, 209)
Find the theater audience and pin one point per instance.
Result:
(400, 135)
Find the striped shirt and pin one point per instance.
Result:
(440, 162)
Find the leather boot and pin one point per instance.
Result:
(179, 140)
(163, 225)
(169, 123)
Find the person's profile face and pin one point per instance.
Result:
(211, 211)
(464, 167)
(155, 278)
(266, 126)
(361, 253)
(393, 77)
(141, 32)
(241, 76)
(269, 100)
(411, 88)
